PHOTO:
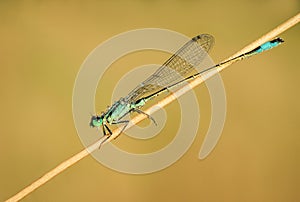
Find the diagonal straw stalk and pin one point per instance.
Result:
(77, 157)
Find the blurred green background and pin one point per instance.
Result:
(43, 44)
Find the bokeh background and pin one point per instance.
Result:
(43, 44)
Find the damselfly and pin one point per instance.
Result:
(169, 75)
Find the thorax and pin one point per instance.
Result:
(117, 111)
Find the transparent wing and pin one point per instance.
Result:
(187, 58)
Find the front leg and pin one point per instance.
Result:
(104, 126)
(103, 130)
(110, 133)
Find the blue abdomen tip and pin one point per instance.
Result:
(270, 44)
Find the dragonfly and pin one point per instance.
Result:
(171, 74)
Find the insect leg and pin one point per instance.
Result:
(117, 122)
(103, 130)
(104, 134)
(109, 131)
(148, 116)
